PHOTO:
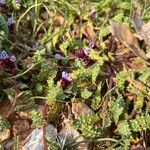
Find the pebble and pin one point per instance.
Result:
(35, 140)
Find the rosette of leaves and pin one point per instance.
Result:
(37, 119)
(86, 124)
(85, 94)
(121, 78)
(124, 129)
(140, 123)
(95, 55)
(97, 98)
(145, 76)
(116, 108)
(91, 72)
(53, 92)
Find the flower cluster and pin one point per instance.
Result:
(11, 25)
(65, 79)
(2, 2)
(83, 54)
(7, 61)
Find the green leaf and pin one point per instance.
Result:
(104, 32)
(85, 94)
(124, 129)
(145, 75)
(97, 98)
(121, 78)
(95, 72)
(116, 108)
(86, 124)
(3, 26)
(53, 92)
(140, 123)
(94, 55)
(4, 124)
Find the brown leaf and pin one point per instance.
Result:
(125, 36)
(89, 31)
(137, 84)
(142, 29)
(79, 109)
(20, 126)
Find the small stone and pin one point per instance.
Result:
(9, 144)
(69, 134)
(81, 109)
(35, 140)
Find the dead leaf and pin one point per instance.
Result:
(125, 36)
(80, 109)
(142, 29)
(4, 135)
(137, 84)
(89, 31)
(20, 126)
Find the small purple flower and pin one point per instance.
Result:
(12, 58)
(58, 56)
(66, 76)
(80, 54)
(3, 2)
(87, 51)
(83, 54)
(10, 21)
(12, 28)
(91, 44)
(7, 61)
(3, 55)
(65, 79)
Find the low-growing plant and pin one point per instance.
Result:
(64, 50)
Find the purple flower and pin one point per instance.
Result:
(87, 51)
(91, 44)
(10, 21)
(84, 55)
(80, 54)
(58, 56)
(65, 79)
(2, 2)
(66, 76)
(12, 28)
(3, 55)
(7, 61)
(12, 58)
